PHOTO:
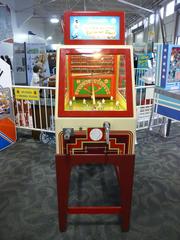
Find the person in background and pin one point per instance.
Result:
(36, 76)
(52, 78)
(8, 60)
(2, 57)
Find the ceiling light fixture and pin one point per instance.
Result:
(49, 38)
(54, 20)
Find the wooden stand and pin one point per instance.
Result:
(124, 165)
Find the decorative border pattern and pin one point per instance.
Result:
(120, 142)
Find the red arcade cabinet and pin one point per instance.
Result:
(95, 107)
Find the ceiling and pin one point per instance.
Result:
(44, 9)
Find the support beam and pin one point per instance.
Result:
(136, 6)
(163, 28)
(176, 22)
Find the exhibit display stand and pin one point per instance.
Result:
(7, 125)
(167, 90)
(95, 115)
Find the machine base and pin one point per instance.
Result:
(124, 166)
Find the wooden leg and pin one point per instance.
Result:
(63, 171)
(126, 167)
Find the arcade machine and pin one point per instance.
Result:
(167, 91)
(95, 107)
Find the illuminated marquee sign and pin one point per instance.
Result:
(94, 28)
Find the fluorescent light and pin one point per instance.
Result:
(54, 20)
(49, 38)
(54, 46)
(21, 37)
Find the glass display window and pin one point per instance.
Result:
(95, 83)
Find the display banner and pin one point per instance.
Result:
(36, 55)
(5, 23)
(5, 75)
(7, 125)
(140, 48)
(27, 94)
(143, 61)
(23, 113)
(170, 71)
(5, 104)
(5, 90)
(19, 64)
(95, 27)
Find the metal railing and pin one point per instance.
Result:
(138, 74)
(39, 115)
(144, 104)
(36, 114)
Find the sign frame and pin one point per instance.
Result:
(69, 41)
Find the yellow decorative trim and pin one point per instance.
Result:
(61, 143)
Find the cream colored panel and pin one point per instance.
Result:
(128, 124)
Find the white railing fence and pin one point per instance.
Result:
(36, 115)
(144, 104)
(39, 115)
(139, 73)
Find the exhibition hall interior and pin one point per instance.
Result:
(89, 119)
